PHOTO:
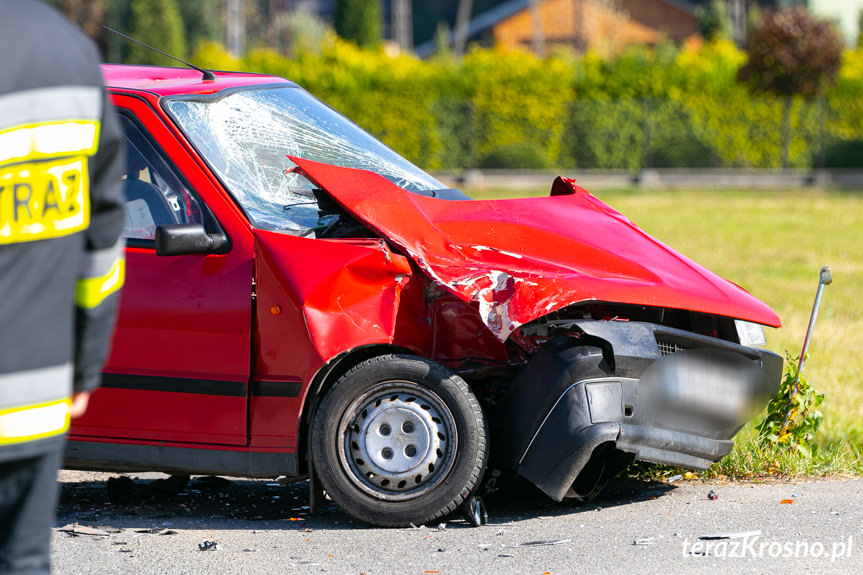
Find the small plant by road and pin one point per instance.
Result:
(792, 416)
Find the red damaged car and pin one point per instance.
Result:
(302, 301)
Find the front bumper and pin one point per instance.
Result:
(655, 393)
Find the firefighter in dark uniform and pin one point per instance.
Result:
(61, 259)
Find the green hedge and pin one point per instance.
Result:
(660, 107)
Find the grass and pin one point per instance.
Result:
(774, 243)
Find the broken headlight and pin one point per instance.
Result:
(750, 334)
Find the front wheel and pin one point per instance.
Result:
(399, 440)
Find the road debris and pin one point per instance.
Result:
(643, 541)
(74, 530)
(674, 478)
(787, 501)
(543, 542)
(157, 531)
(123, 491)
(208, 546)
(730, 535)
(475, 511)
(712, 495)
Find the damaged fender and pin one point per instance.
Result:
(350, 300)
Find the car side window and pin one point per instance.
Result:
(155, 196)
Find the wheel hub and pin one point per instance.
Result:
(399, 438)
(399, 442)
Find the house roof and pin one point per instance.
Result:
(501, 12)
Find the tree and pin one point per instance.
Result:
(117, 17)
(713, 21)
(200, 21)
(159, 24)
(359, 21)
(792, 53)
(88, 14)
(860, 30)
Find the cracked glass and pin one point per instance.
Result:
(246, 136)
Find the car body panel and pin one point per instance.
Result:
(316, 299)
(161, 81)
(183, 324)
(347, 293)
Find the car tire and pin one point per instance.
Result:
(398, 440)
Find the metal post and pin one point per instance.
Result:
(737, 14)
(825, 279)
(538, 36)
(236, 27)
(578, 25)
(402, 24)
(646, 145)
(462, 23)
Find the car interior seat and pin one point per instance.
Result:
(156, 201)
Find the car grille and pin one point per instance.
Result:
(667, 347)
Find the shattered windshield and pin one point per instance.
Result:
(246, 135)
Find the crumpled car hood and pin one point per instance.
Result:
(521, 259)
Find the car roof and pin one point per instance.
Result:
(166, 81)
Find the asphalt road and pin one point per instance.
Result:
(633, 527)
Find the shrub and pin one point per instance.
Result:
(664, 107)
(792, 53)
(713, 21)
(157, 23)
(792, 416)
(358, 21)
(516, 156)
(517, 97)
(844, 154)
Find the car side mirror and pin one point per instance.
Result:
(186, 239)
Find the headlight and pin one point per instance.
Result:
(750, 334)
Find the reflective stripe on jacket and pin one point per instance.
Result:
(46, 415)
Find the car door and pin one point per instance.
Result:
(179, 366)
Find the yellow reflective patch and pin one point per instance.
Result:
(33, 422)
(41, 200)
(90, 292)
(49, 140)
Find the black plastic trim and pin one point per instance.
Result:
(276, 388)
(174, 384)
(576, 394)
(99, 456)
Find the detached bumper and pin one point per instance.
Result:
(654, 393)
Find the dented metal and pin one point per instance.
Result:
(353, 298)
(518, 260)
